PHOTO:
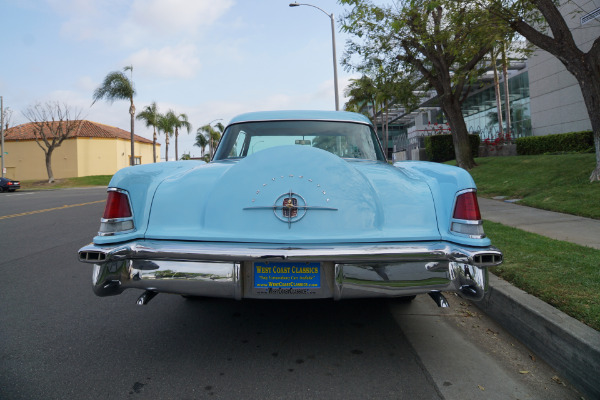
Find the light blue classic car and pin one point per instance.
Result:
(294, 205)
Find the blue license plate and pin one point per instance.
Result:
(269, 274)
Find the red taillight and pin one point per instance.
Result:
(117, 206)
(467, 207)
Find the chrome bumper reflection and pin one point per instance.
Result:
(349, 271)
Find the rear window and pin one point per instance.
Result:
(344, 139)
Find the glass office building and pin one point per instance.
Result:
(479, 110)
(481, 113)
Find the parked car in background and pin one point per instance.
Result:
(294, 205)
(9, 185)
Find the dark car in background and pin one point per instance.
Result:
(8, 185)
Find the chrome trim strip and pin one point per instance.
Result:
(467, 221)
(238, 252)
(289, 220)
(299, 120)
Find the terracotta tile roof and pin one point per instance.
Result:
(86, 129)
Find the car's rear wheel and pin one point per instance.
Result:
(1, 189)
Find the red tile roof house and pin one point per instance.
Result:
(93, 149)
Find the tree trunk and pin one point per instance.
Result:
(49, 165)
(383, 132)
(154, 146)
(375, 115)
(589, 82)
(584, 66)
(167, 148)
(387, 132)
(587, 74)
(497, 92)
(176, 144)
(460, 134)
(506, 94)
(132, 112)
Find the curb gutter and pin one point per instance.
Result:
(569, 346)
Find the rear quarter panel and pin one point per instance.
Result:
(444, 181)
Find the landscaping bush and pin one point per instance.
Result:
(573, 142)
(440, 148)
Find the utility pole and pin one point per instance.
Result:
(2, 133)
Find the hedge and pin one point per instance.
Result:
(439, 148)
(579, 142)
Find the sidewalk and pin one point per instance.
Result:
(569, 346)
(569, 228)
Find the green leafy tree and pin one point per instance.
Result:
(181, 122)
(116, 86)
(151, 116)
(542, 23)
(442, 41)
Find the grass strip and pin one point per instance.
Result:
(562, 274)
(550, 182)
(84, 181)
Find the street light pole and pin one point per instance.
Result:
(2, 133)
(335, 77)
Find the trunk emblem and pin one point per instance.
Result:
(290, 207)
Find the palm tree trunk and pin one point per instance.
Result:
(132, 112)
(176, 144)
(387, 128)
(497, 91)
(506, 94)
(167, 148)
(154, 146)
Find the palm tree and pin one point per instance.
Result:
(362, 92)
(116, 86)
(212, 135)
(206, 131)
(151, 116)
(181, 122)
(201, 140)
(166, 123)
(218, 130)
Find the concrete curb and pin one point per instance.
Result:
(569, 346)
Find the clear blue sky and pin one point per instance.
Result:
(209, 59)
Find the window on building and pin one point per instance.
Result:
(137, 160)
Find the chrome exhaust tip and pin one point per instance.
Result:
(439, 299)
(92, 256)
(146, 297)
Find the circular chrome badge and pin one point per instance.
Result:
(290, 207)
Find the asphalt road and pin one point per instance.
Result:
(58, 340)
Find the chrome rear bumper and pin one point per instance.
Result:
(348, 271)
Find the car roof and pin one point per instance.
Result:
(295, 115)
